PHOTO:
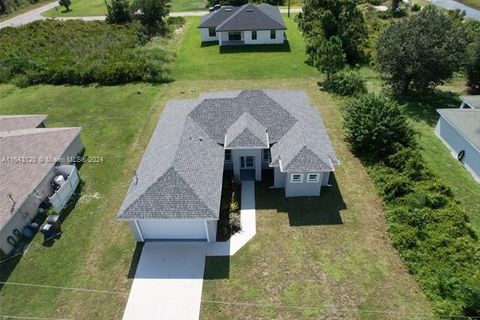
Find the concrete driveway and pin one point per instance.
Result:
(168, 282)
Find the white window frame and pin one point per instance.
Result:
(293, 180)
(317, 179)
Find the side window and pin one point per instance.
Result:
(313, 177)
(212, 32)
(228, 155)
(254, 35)
(296, 178)
(272, 34)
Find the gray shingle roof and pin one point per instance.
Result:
(180, 175)
(216, 115)
(466, 122)
(472, 101)
(246, 132)
(246, 17)
(308, 132)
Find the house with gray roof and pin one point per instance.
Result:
(175, 192)
(459, 129)
(248, 24)
(470, 102)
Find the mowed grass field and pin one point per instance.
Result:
(328, 257)
(197, 62)
(81, 8)
(94, 251)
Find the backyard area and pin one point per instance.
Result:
(196, 61)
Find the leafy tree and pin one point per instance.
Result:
(473, 68)
(66, 4)
(118, 12)
(323, 19)
(421, 51)
(375, 126)
(152, 14)
(329, 57)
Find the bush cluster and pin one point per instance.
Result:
(431, 231)
(426, 224)
(374, 125)
(77, 52)
(346, 83)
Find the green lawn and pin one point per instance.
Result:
(82, 8)
(331, 255)
(94, 250)
(197, 62)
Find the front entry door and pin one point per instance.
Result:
(247, 162)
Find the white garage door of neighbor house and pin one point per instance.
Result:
(172, 229)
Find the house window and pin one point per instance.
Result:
(266, 155)
(254, 35)
(212, 32)
(228, 155)
(296, 178)
(313, 177)
(272, 34)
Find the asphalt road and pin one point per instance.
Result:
(36, 14)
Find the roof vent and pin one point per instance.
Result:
(249, 10)
(228, 9)
(200, 138)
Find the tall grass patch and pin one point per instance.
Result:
(78, 52)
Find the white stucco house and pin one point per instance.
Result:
(459, 129)
(29, 155)
(176, 190)
(248, 24)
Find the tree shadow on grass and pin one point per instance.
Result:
(285, 47)
(423, 108)
(303, 211)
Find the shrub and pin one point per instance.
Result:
(76, 52)
(375, 125)
(346, 83)
(430, 230)
(416, 7)
(473, 67)
(118, 12)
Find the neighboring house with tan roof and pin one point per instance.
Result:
(176, 190)
(249, 24)
(16, 122)
(459, 129)
(28, 155)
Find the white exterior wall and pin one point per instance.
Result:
(257, 153)
(278, 178)
(303, 188)
(325, 178)
(206, 37)
(456, 142)
(164, 229)
(263, 37)
(28, 209)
